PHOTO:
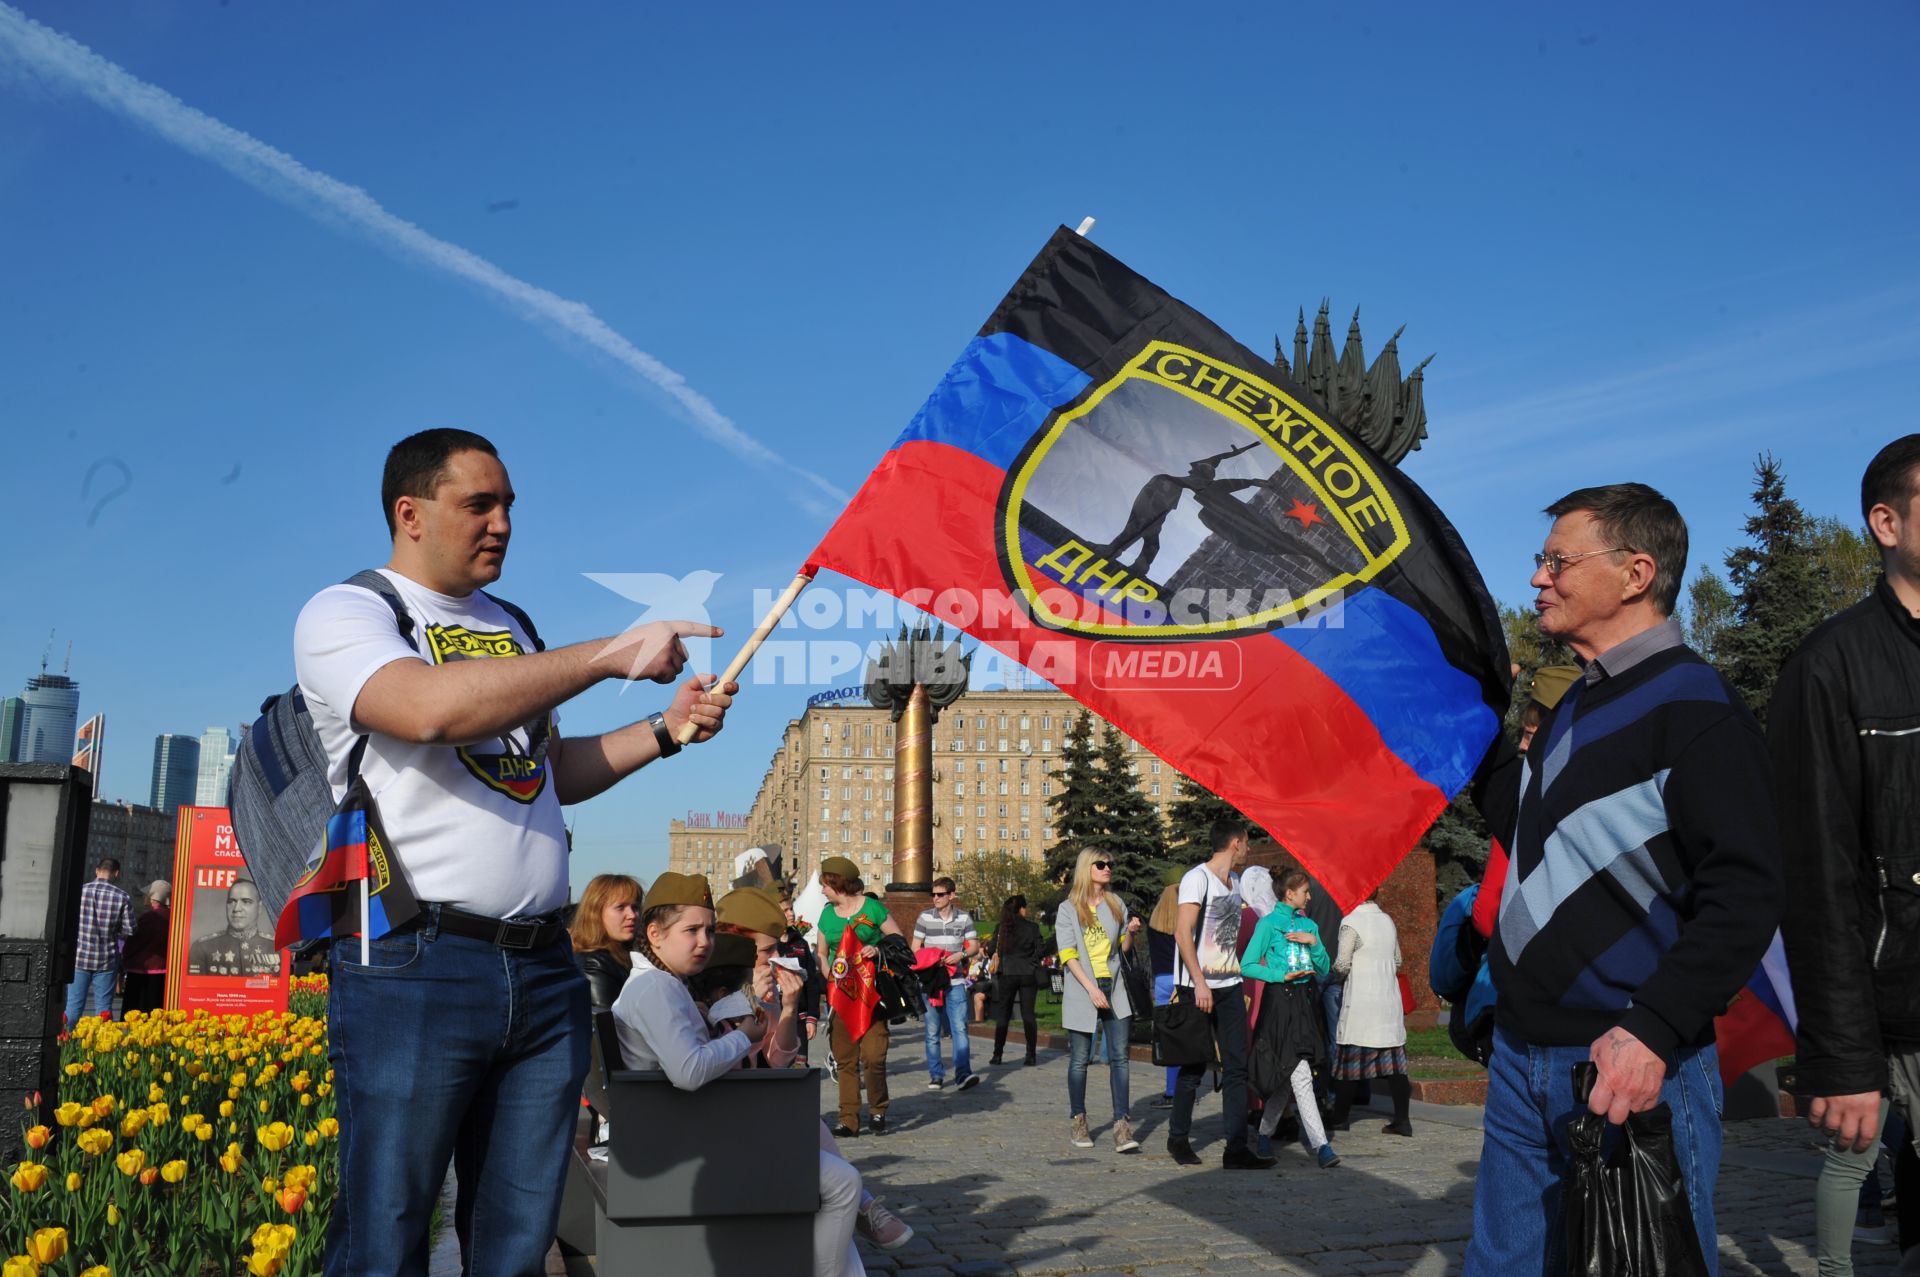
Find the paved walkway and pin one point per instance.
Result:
(993, 1187)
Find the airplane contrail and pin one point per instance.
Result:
(67, 62)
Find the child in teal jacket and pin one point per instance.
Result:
(1286, 953)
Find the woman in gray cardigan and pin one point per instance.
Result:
(1092, 930)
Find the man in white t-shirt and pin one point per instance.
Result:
(1208, 940)
(465, 1036)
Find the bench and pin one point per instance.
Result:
(724, 1180)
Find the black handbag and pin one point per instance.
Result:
(1627, 1215)
(1139, 996)
(1182, 1033)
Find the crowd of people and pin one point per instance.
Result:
(1648, 838)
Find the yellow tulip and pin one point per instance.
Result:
(192, 1122)
(264, 1106)
(73, 1181)
(156, 1093)
(20, 1266)
(131, 1125)
(311, 1139)
(301, 1176)
(98, 1270)
(94, 1142)
(264, 1264)
(269, 1184)
(273, 1237)
(229, 1162)
(203, 1133)
(329, 1127)
(38, 1136)
(173, 1172)
(47, 1245)
(68, 1114)
(131, 1162)
(103, 1105)
(29, 1177)
(226, 1108)
(113, 1215)
(274, 1136)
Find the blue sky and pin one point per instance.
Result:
(1647, 243)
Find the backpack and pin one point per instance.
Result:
(278, 796)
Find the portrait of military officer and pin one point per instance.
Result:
(239, 947)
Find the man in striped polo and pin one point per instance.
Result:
(948, 928)
(1643, 881)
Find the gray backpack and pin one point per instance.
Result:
(279, 796)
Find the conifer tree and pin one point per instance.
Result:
(1076, 799)
(1190, 822)
(1777, 586)
(1131, 831)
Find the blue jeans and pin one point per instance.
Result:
(1519, 1201)
(1112, 1030)
(94, 986)
(450, 1048)
(950, 1018)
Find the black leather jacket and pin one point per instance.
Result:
(605, 976)
(1844, 730)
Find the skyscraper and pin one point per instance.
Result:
(90, 748)
(53, 711)
(216, 762)
(13, 712)
(176, 772)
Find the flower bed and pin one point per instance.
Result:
(184, 1145)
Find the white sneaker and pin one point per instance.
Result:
(882, 1227)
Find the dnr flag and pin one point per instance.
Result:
(851, 990)
(325, 901)
(1111, 490)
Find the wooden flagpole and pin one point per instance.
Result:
(752, 645)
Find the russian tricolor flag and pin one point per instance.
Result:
(1760, 1024)
(326, 902)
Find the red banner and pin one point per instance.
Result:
(220, 956)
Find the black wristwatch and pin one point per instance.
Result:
(668, 745)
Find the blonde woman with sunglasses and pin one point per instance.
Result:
(1092, 930)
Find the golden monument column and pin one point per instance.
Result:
(915, 677)
(913, 795)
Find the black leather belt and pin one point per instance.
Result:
(532, 934)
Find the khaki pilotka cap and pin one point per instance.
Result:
(678, 889)
(840, 865)
(754, 909)
(1550, 683)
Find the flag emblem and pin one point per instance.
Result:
(1186, 497)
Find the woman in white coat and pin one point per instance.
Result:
(1372, 1037)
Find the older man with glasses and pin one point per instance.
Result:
(1643, 882)
(950, 929)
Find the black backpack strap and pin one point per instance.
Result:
(526, 622)
(377, 583)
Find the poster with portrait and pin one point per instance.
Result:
(220, 955)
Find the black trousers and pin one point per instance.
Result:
(1229, 1016)
(1005, 989)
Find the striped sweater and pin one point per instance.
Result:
(1644, 880)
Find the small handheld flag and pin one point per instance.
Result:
(325, 903)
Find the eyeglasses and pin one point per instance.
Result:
(1555, 564)
(941, 895)
(1102, 864)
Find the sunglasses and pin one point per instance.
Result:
(941, 895)
(1102, 864)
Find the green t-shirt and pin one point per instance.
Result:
(871, 914)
